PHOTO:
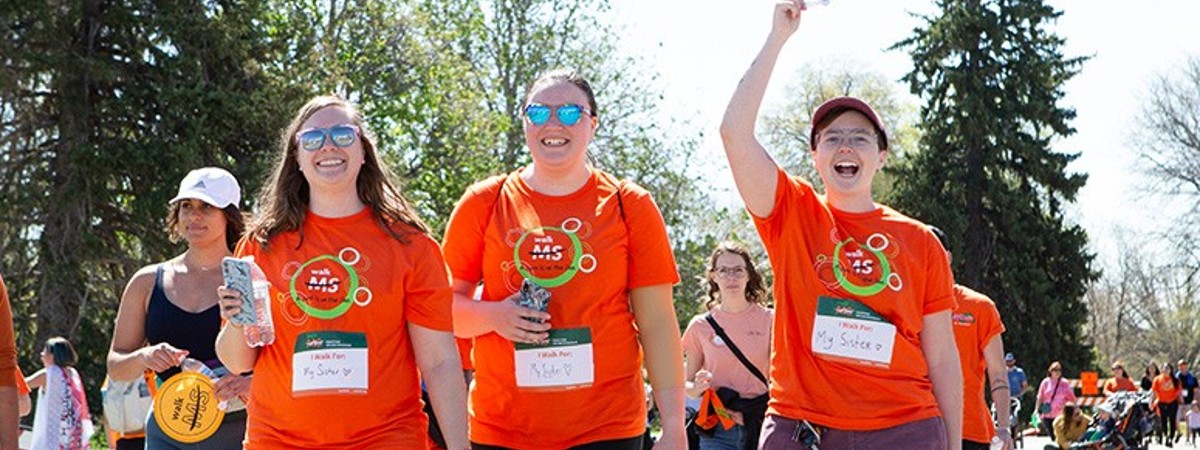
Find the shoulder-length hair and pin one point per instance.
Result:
(283, 200)
(756, 291)
(62, 352)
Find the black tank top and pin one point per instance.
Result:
(194, 332)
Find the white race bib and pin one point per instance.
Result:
(847, 330)
(564, 363)
(330, 362)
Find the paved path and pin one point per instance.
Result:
(1038, 442)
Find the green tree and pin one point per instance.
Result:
(104, 108)
(991, 77)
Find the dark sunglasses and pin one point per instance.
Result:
(313, 139)
(568, 114)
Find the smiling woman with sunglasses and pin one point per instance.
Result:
(736, 301)
(360, 300)
(568, 376)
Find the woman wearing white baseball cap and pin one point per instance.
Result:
(168, 311)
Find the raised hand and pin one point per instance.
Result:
(786, 18)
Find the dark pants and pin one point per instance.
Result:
(131, 444)
(1168, 413)
(634, 443)
(972, 445)
(925, 434)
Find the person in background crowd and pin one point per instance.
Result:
(61, 420)
(977, 330)
(1148, 375)
(1120, 380)
(842, 261)
(353, 273)
(168, 311)
(1018, 382)
(736, 301)
(1053, 394)
(1187, 382)
(1167, 391)
(598, 246)
(1070, 426)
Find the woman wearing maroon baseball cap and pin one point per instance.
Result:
(863, 293)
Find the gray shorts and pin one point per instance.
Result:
(925, 434)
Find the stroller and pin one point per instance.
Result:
(1014, 421)
(1130, 424)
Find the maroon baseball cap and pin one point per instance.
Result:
(842, 104)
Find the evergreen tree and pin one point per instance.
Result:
(991, 77)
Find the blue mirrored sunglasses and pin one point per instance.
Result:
(313, 139)
(568, 114)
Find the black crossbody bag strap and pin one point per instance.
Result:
(733, 348)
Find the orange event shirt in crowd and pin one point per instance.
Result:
(1118, 384)
(581, 241)
(976, 322)
(388, 284)
(8, 343)
(1166, 389)
(898, 269)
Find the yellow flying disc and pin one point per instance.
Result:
(185, 407)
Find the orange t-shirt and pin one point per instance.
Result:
(887, 262)
(8, 343)
(976, 322)
(1166, 389)
(351, 263)
(588, 257)
(1116, 384)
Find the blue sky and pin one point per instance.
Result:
(702, 48)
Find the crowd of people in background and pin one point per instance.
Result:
(560, 277)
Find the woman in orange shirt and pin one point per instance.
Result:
(1120, 380)
(1167, 391)
(359, 298)
(568, 375)
(863, 294)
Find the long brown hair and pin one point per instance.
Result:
(283, 201)
(756, 292)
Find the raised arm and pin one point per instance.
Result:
(754, 171)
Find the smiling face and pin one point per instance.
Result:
(847, 155)
(554, 146)
(331, 167)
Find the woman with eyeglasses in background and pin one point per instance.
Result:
(1120, 381)
(1054, 392)
(863, 294)
(568, 376)
(736, 300)
(359, 298)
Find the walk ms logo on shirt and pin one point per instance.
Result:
(963, 319)
(326, 287)
(858, 269)
(551, 256)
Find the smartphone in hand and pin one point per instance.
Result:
(237, 277)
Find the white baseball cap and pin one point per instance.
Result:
(211, 185)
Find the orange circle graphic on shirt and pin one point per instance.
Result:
(185, 408)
